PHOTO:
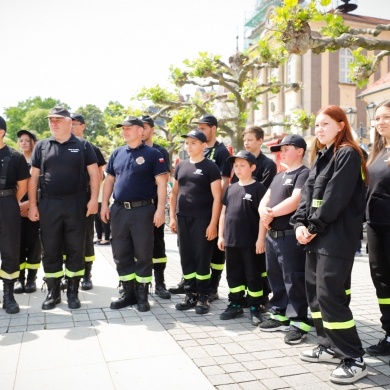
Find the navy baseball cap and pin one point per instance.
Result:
(290, 139)
(58, 112)
(147, 119)
(208, 119)
(196, 134)
(28, 132)
(131, 121)
(244, 154)
(3, 125)
(77, 117)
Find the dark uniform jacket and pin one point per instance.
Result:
(332, 203)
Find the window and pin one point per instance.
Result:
(290, 71)
(345, 57)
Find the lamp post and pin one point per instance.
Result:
(351, 115)
(370, 109)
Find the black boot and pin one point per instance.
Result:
(214, 284)
(142, 296)
(179, 289)
(19, 284)
(160, 289)
(72, 293)
(54, 295)
(128, 297)
(9, 303)
(31, 286)
(86, 284)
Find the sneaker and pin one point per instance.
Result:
(255, 316)
(294, 336)
(203, 305)
(189, 301)
(320, 354)
(381, 349)
(264, 308)
(213, 296)
(349, 371)
(232, 311)
(273, 325)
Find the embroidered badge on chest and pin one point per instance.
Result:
(198, 172)
(140, 160)
(247, 197)
(288, 182)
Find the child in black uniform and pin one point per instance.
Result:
(195, 206)
(241, 236)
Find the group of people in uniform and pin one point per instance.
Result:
(288, 238)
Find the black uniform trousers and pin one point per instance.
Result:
(30, 245)
(10, 237)
(132, 238)
(63, 225)
(286, 274)
(195, 253)
(326, 279)
(159, 255)
(89, 250)
(378, 248)
(102, 227)
(243, 274)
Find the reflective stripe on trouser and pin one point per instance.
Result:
(10, 237)
(26, 265)
(330, 311)
(217, 259)
(242, 273)
(132, 238)
(378, 242)
(195, 253)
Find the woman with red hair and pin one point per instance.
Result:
(328, 223)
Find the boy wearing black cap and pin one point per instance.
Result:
(241, 238)
(285, 258)
(195, 205)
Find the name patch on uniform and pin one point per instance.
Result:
(247, 197)
(74, 150)
(140, 160)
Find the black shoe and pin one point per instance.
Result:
(232, 311)
(128, 297)
(255, 316)
(264, 307)
(294, 336)
(86, 283)
(31, 286)
(142, 290)
(54, 295)
(273, 325)
(189, 301)
(19, 287)
(9, 303)
(160, 288)
(203, 305)
(213, 296)
(349, 371)
(72, 293)
(179, 289)
(381, 349)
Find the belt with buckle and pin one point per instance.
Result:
(280, 233)
(7, 192)
(137, 203)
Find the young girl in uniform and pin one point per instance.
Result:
(328, 222)
(242, 237)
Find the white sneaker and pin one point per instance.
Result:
(349, 371)
(320, 354)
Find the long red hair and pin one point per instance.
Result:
(343, 138)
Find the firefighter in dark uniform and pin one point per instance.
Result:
(217, 152)
(78, 128)
(59, 169)
(159, 254)
(328, 222)
(14, 174)
(133, 172)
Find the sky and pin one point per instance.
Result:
(95, 51)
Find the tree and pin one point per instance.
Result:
(95, 123)
(291, 27)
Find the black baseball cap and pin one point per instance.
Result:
(58, 112)
(3, 125)
(208, 119)
(147, 119)
(77, 117)
(131, 121)
(28, 132)
(196, 134)
(244, 154)
(290, 139)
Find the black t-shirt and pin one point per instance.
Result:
(195, 198)
(219, 154)
(265, 170)
(165, 154)
(378, 193)
(241, 215)
(62, 166)
(282, 187)
(17, 167)
(101, 162)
